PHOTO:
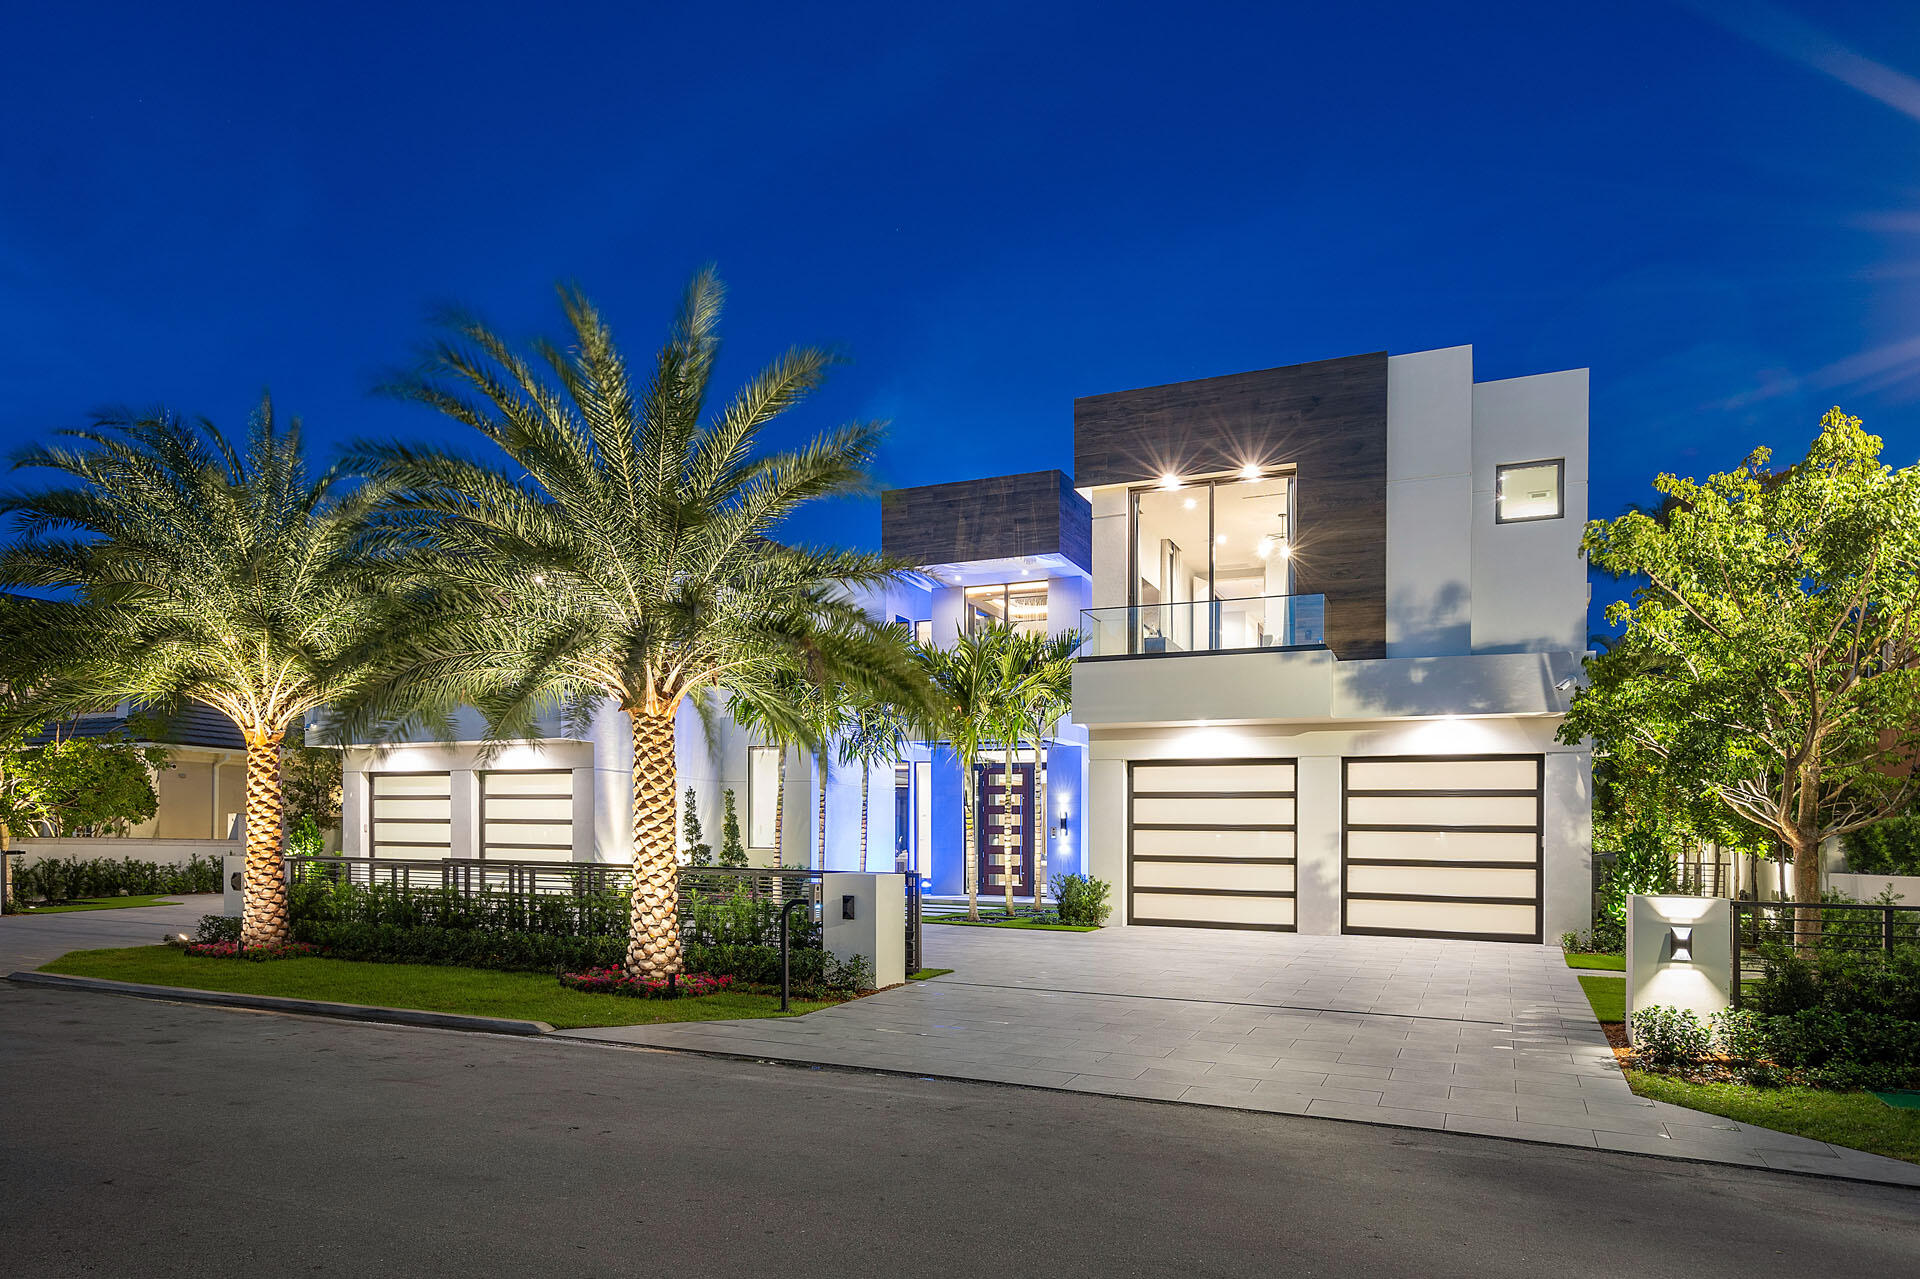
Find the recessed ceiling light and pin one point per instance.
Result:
(1169, 481)
(1250, 472)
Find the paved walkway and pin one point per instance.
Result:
(1484, 1038)
(28, 941)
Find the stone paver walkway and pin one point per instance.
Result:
(1484, 1038)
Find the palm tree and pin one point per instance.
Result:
(622, 549)
(1046, 664)
(229, 575)
(970, 712)
(875, 733)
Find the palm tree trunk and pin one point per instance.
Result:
(970, 852)
(653, 921)
(865, 813)
(1043, 823)
(822, 762)
(263, 913)
(779, 807)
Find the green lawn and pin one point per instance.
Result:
(1611, 963)
(1608, 995)
(472, 991)
(1858, 1120)
(1000, 919)
(927, 973)
(98, 903)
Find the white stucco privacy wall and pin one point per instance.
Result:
(1430, 503)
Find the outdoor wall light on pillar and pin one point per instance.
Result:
(846, 905)
(1680, 945)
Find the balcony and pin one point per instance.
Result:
(1205, 626)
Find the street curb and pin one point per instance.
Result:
(277, 1004)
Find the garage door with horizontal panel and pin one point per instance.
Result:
(527, 816)
(1211, 843)
(412, 815)
(1442, 846)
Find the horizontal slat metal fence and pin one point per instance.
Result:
(1763, 929)
(476, 877)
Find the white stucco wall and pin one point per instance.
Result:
(1430, 502)
(1529, 583)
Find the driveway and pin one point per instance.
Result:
(28, 941)
(1473, 1037)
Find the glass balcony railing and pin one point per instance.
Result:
(1205, 626)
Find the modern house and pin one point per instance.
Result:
(1338, 612)
(1333, 616)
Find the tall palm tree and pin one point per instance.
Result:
(875, 734)
(197, 568)
(970, 682)
(1046, 664)
(618, 545)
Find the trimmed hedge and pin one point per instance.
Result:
(57, 879)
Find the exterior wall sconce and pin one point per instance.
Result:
(1680, 945)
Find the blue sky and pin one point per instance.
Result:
(991, 208)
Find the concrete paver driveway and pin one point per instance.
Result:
(28, 941)
(1477, 1037)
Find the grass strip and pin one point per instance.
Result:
(926, 974)
(1608, 995)
(99, 903)
(431, 988)
(1611, 963)
(1857, 1120)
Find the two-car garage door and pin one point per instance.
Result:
(1431, 846)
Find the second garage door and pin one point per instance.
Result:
(1442, 846)
(1211, 844)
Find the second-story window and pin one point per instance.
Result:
(1524, 491)
(1023, 605)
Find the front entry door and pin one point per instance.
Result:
(1005, 816)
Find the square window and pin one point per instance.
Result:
(1525, 491)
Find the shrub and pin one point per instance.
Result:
(612, 981)
(460, 947)
(71, 879)
(1083, 900)
(1606, 937)
(1667, 1038)
(1885, 983)
(213, 928)
(1891, 847)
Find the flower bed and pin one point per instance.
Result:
(612, 981)
(234, 950)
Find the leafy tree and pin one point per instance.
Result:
(615, 542)
(311, 775)
(232, 575)
(75, 785)
(1769, 662)
(732, 851)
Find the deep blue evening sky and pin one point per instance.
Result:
(993, 208)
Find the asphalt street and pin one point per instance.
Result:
(153, 1139)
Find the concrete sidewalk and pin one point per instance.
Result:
(1483, 1038)
(28, 941)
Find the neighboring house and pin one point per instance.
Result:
(1014, 549)
(201, 790)
(1339, 610)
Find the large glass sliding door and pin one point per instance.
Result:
(1212, 565)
